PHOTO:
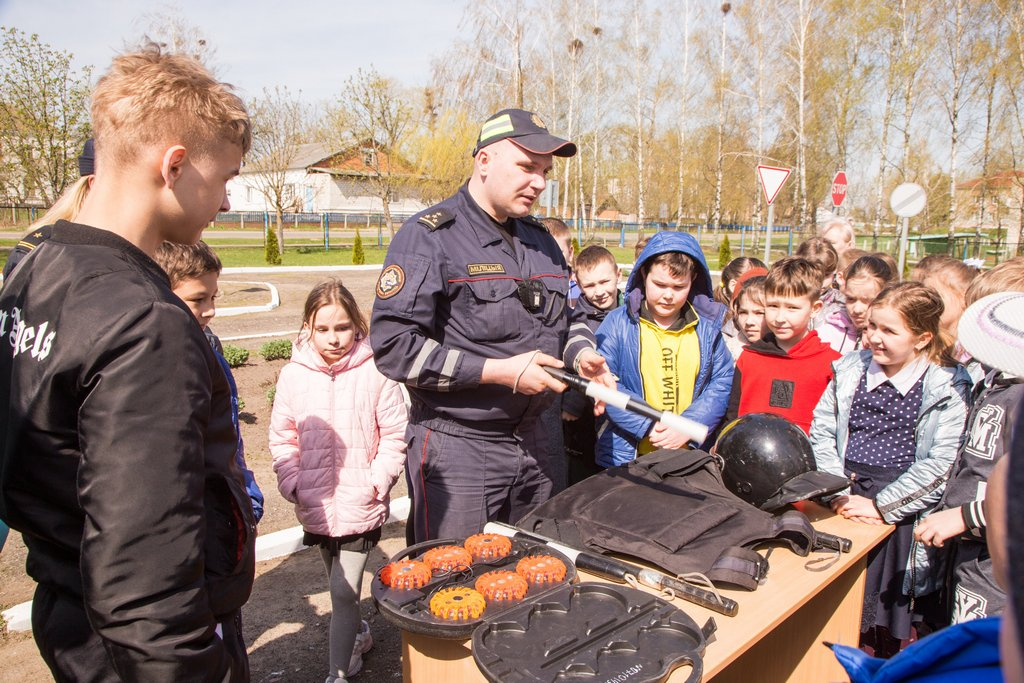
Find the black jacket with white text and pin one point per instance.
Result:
(117, 460)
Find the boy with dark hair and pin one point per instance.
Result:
(665, 345)
(118, 459)
(193, 270)
(786, 372)
(598, 277)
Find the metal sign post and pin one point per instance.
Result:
(907, 200)
(772, 179)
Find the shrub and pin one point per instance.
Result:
(274, 350)
(235, 356)
(575, 246)
(271, 393)
(724, 252)
(270, 253)
(358, 257)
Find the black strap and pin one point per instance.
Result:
(739, 566)
(794, 529)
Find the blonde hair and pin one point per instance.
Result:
(955, 275)
(849, 256)
(794, 276)
(333, 292)
(920, 307)
(843, 225)
(67, 206)
(556, 227)
(151, 98)
(1008, 276)
(820, 252)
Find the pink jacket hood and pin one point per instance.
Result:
(337, 437)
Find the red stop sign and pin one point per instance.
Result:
(839, 188)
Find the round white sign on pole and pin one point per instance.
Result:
(908, 200)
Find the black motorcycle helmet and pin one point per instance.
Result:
(768, 462)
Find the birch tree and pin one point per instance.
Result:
(279, 129)
(44, 117)
(798, 25)
(716, 220)
(957, 29)
(684, 100)
(375, 113)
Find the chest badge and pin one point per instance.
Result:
(391, 281)
(484, 268)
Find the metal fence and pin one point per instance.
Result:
(340, 228)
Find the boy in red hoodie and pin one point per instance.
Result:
(785, 372)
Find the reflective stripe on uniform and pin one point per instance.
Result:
(447, 370)
(421, 358)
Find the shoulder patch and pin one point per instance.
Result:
(390, 282)
(533, 223)
(34, 238)
(436, 219)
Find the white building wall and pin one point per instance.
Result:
(320, 192)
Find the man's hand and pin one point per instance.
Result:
(663, 437)
(939, 527)
(592, 366)
(524, 374)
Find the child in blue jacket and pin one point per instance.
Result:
(665, 345)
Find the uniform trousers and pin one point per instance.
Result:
(460, 479)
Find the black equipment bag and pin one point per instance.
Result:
(671, 508)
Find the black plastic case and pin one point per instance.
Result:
(410, 609)
(568, 632)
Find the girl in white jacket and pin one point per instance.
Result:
(337, 437)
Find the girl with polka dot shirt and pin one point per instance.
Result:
(891, 420)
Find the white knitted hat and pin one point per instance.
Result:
(992, 330)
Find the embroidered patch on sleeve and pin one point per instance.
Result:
(391, 281)
(782, 394)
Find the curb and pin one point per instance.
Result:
(269, 547)
(275, 301)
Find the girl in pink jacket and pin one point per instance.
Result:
(337, 437)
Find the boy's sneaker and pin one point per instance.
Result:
(364, 641)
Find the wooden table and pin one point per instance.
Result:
(776, 636)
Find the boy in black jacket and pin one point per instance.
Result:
(598, 277)
(960, 517)
(118, 448)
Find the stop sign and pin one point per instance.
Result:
(839, 188)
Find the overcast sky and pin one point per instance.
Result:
(308, 45)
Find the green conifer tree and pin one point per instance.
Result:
(358, 257)
(724, 252)
(270, 251)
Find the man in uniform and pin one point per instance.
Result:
(471, 305)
